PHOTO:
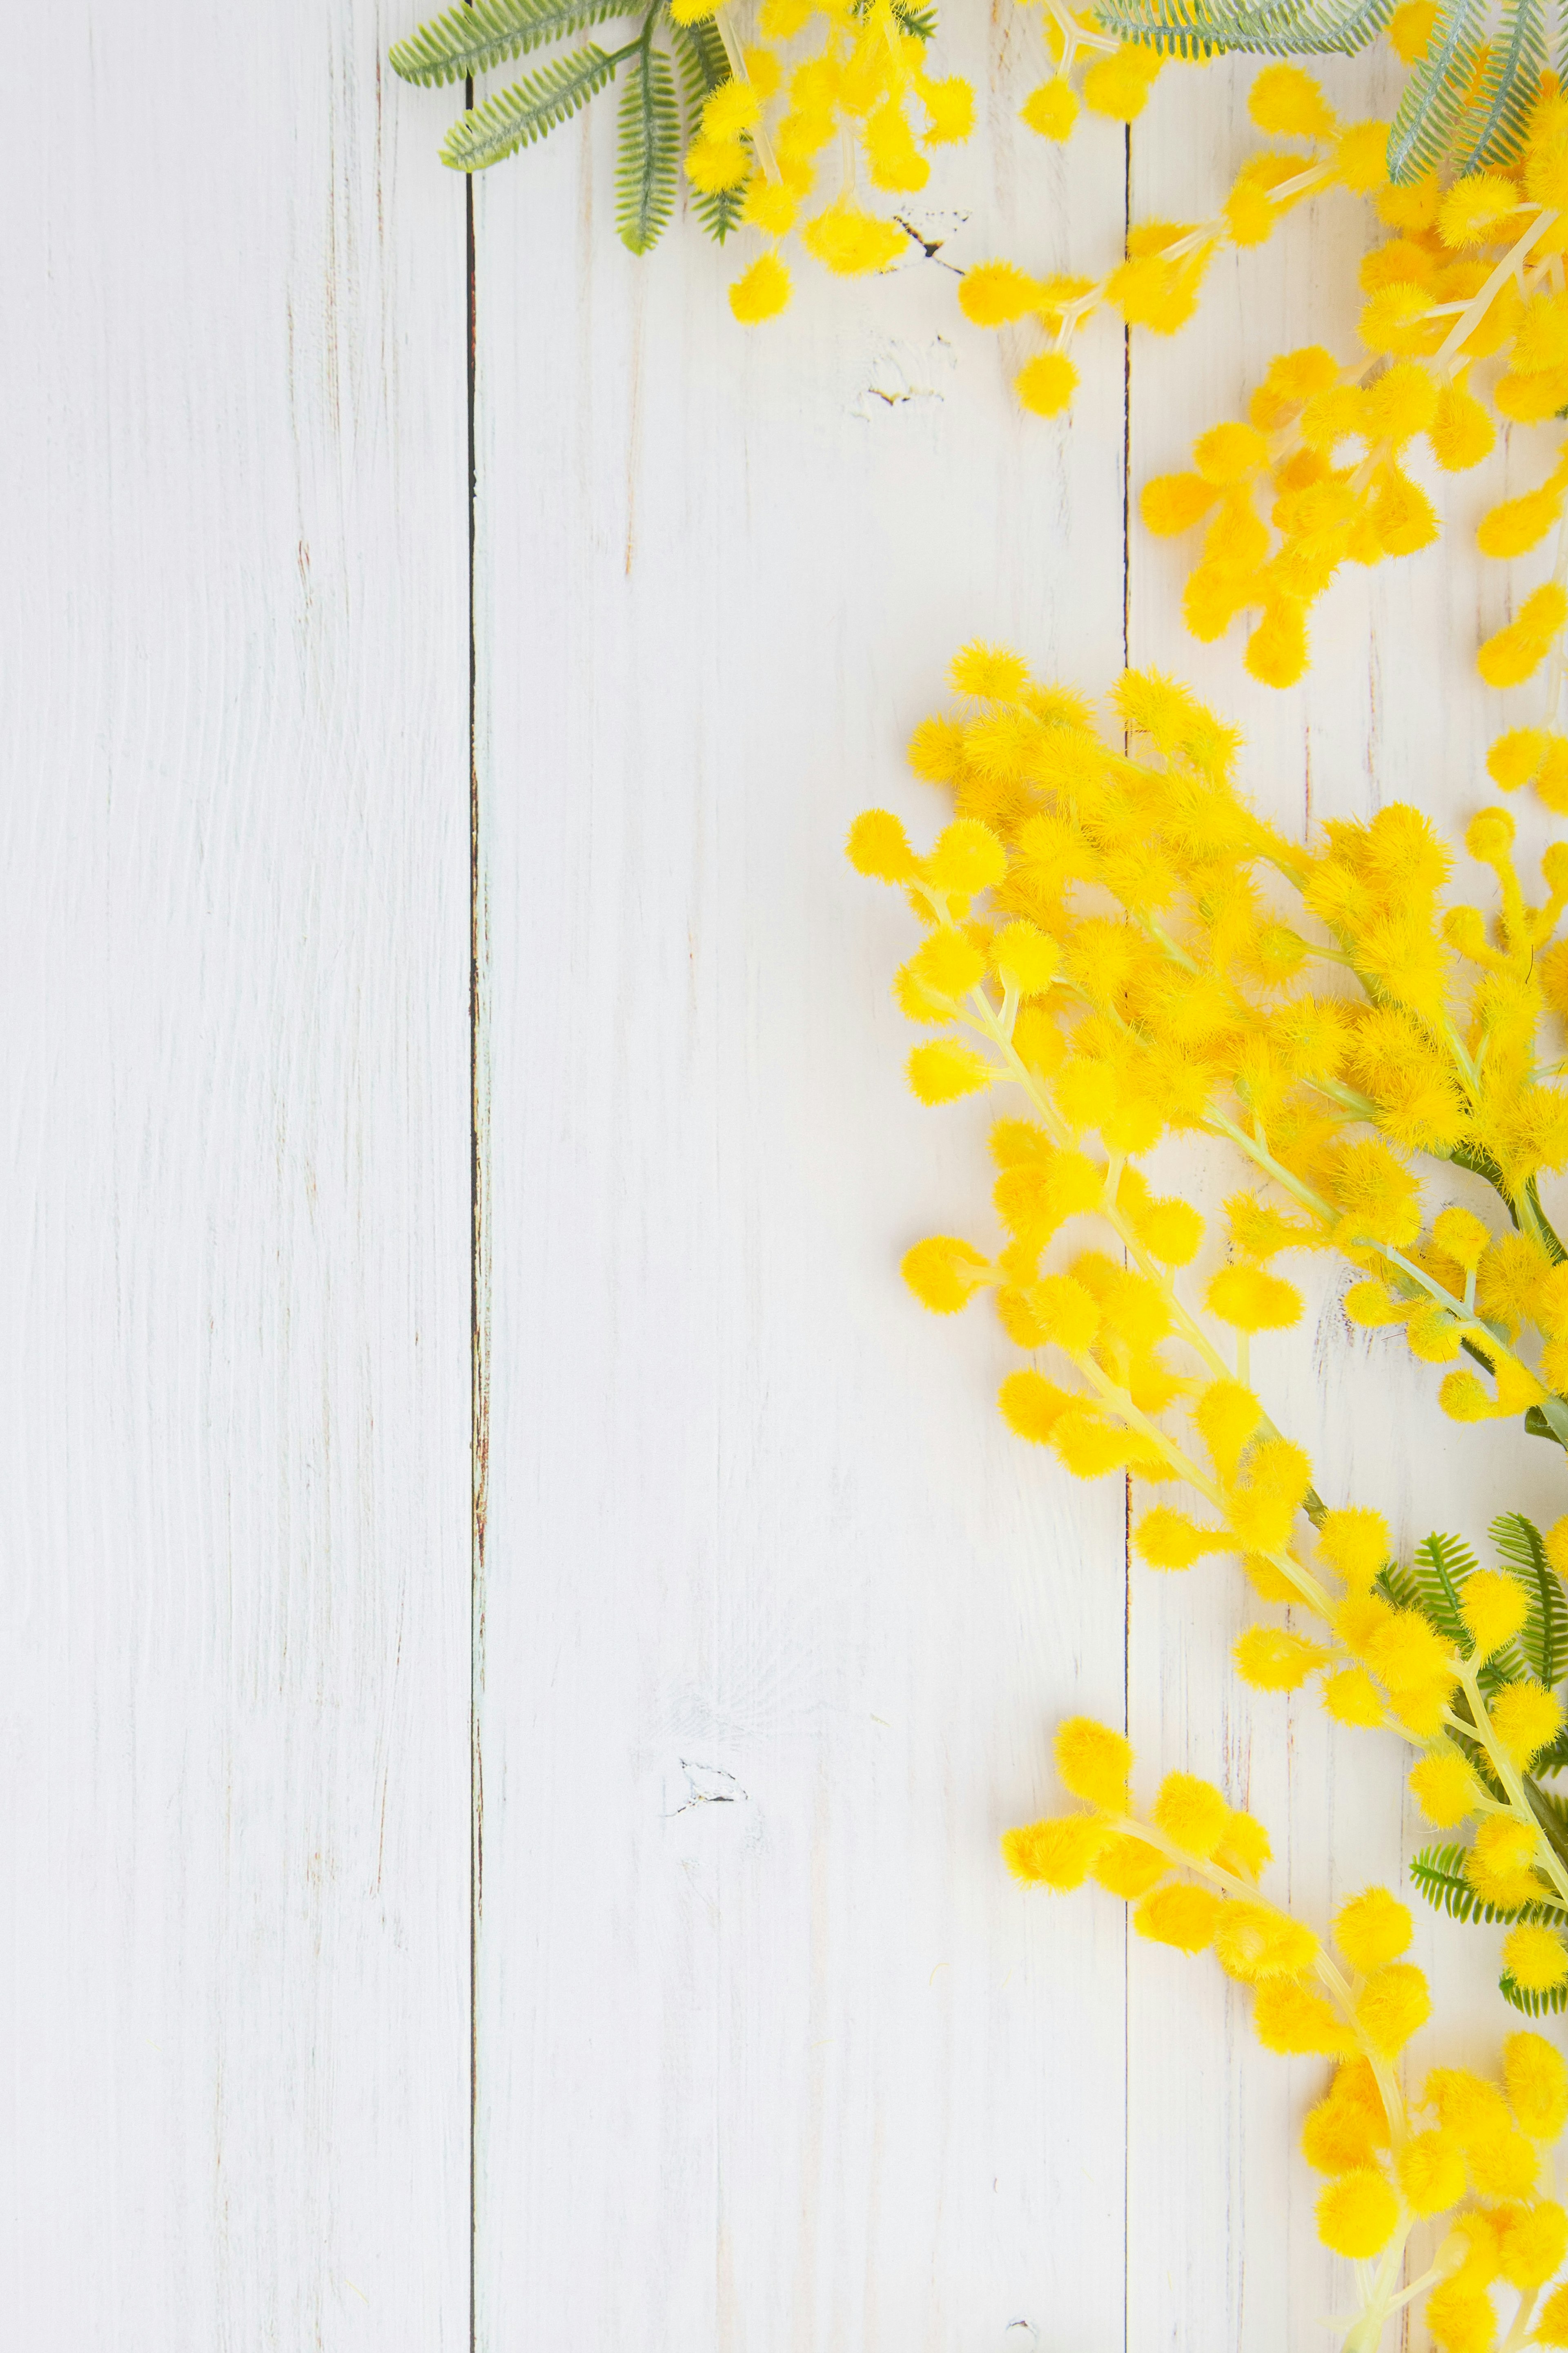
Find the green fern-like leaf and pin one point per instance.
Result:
(530, 109)
(1516, 60)
(1440, 1872)
(1534, 2004)
(1398, 1584)
(471, 40)
(649, 150)
(1543, 1637)
(1200, 28)
(920, 22)
(1440, 1566)
(703, 67)
(1429, 111)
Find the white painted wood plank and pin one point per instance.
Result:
(777, 1619)
(233, 1436)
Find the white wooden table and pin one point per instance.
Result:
(577, 1923)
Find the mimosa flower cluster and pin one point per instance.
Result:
(864, 90)
(1158, 284)
(1470, 2156)
(1466, 299)
(1188, 1011)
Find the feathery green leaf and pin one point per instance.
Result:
(1516, 60)
(1534, 2004)
(1441, 1565)
(1543, 1637)
(1434, 97)
(648, 149)
(471, 40)
(1200, 28)
(528, 110)
(1440, 1872)
(703, 67)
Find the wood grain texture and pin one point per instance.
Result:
(234, 1494)
(769, 2053)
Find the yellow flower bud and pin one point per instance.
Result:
(1357, 2214)
(1535, 1958)
(1526, 1719)
(1372, 1929)
(944, 1273)
(1271, 1658)
(1445, 1787)
(1094, 1763)
(1055, 1853)
(947, 1068)
(1192, 1813)
(1535, 2076)
(1180, 1916)
(1432, 2172)
(1393, 2004)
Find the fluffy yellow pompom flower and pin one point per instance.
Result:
(1503, 2165)
(1094, 1763)
(1394, 2005)
(1358, 2214)
(1287, 102)
(1445, 1788)
(1357, 1542)
(1277, 649)
(1461, 432)
(944, 1273)
(1249, 1299)
(1338, 2136)
(1047, 384)
(1055, 1853)
(1535, 2077)
(1192, 1813)
(1227, 1415)
(967, 858)
(995, 293)
(990, 673)
(1533, 2240)
(1516, 652)
(1373, 1928)
(852, 242)
(946, 1068)
(1462, 1237)
(1271, 1658)
(761, 292)
(1168, 1539)
(1180, 1916)
(1461, 2317)
(878, 846)
(1025, 957)
(1473, 207)
(945, 967)
(1254, 1943)
(1499, 1865)
(1287, 2017)
(1432, 2172)
(1494, 1606)
(1526, 1719)
(1052, 108)
(1032, 1406)
(1351, 1697)
(1535, 1958)
(1129, 1867)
